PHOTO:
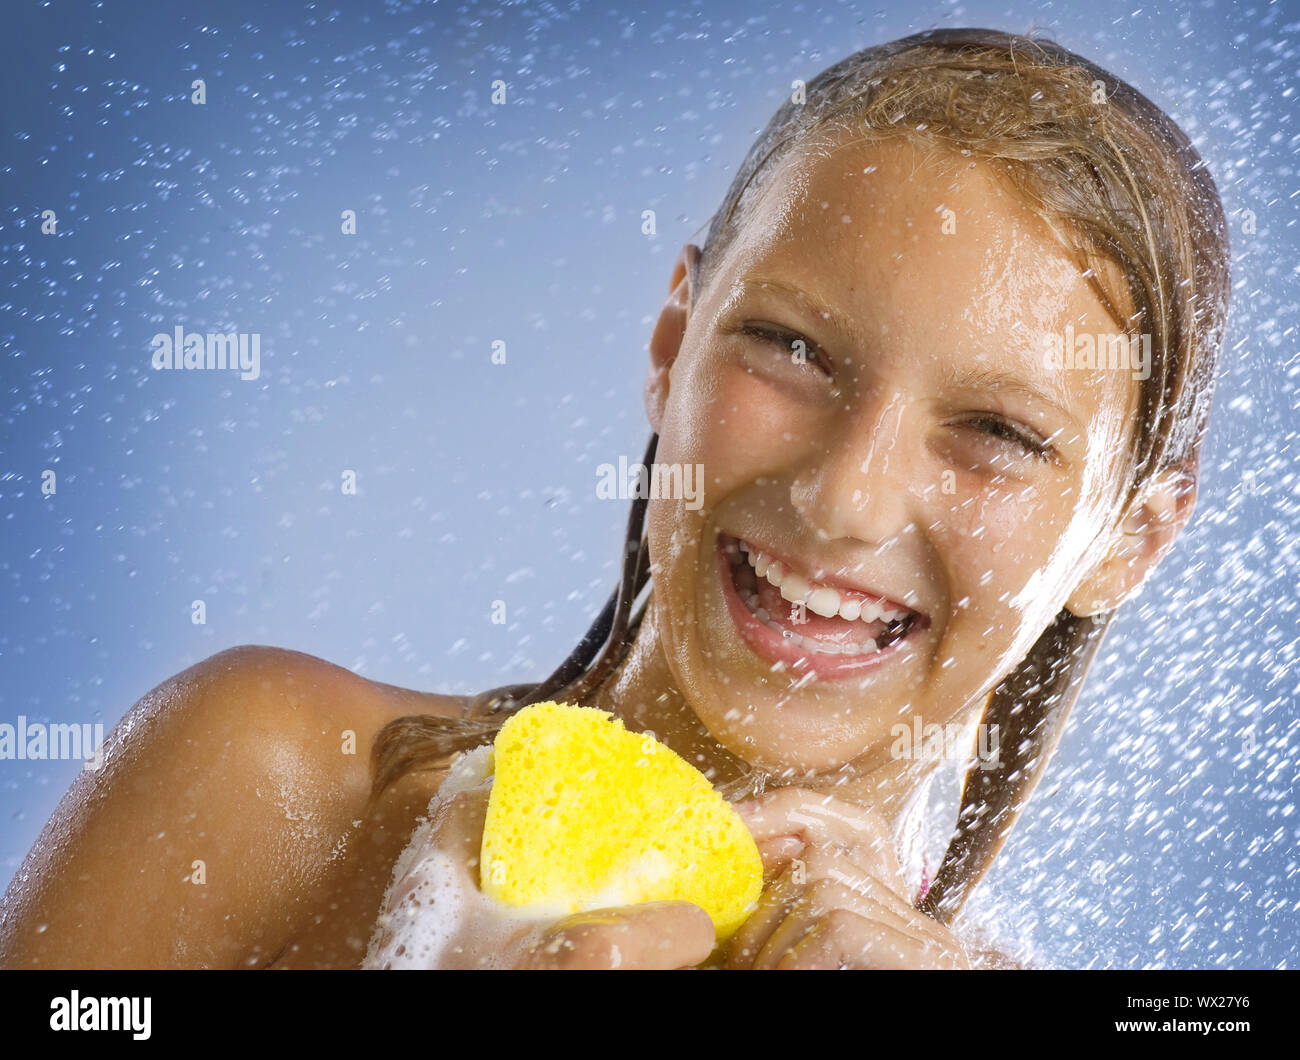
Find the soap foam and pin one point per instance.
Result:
(433, 915)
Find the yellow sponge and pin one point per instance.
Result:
(586, 815)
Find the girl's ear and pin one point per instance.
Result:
(667, 338)
(1147, 533)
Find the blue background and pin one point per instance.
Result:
(1158, 837)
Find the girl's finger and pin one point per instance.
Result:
(823, 898)
(787, 934)
(654, 935)
(787, 816)
(862, 872)
(815, 817)
(839, 880)
(778, 853)
(774, 905)
(846, 940)
(852, 875)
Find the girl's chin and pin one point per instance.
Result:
(781, 750)
(785, 733)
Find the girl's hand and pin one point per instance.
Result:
(435, 915)
(836, 896)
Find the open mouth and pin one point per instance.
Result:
(786, 615)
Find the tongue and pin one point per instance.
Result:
(833, 630)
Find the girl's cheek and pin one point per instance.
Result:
(738, 410)
(995, 540)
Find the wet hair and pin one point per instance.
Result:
(1124, 190)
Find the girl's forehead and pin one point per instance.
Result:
(909, 236)
(896, 201)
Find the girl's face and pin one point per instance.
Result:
(865, 386)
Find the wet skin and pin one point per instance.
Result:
(889, 460)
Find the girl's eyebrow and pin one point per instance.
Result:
(845, 325)
(970, 378)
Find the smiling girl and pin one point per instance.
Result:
(912, 511)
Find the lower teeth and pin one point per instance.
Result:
(866, 647)
(892, 633)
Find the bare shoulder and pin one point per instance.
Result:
(336, 713)
(281, 680)
(222, 801)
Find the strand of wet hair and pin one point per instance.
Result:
(605, 641)
(636, 567)
(1028, 710)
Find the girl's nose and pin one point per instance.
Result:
(859, 483)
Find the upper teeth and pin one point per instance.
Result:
(819, 599)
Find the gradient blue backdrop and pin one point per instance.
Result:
(1159, 836)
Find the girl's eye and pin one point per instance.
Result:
(1000, 428)
(799, 349)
